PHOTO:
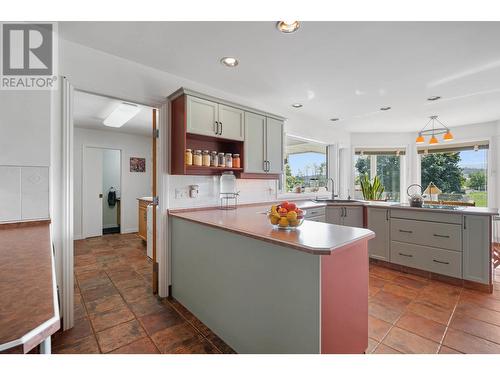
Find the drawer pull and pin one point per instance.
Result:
(441, 235)
(440, 262)
(405, 231)
(406, 255)
(314, 212)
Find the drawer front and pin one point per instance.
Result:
(407, 255)
(414, 214)
(445, 236)
(321, 219)
(312, 212)
(445, 262)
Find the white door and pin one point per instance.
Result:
(255, 128)
(231, 122)
(92, 192)
(274, 145)
(353, 217)
(202, 117)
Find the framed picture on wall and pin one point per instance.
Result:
(137, 165)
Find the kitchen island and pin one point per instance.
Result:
(264, 290)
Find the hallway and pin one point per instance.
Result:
(116, 312)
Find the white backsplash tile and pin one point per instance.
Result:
(10, 193)
(34, 193)
(251, 191)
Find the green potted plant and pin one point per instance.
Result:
(372, 191)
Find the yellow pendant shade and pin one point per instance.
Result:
(433, 141)
(420, 139)
(448, 136)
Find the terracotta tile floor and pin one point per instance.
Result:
(115, 311)
(409, 314)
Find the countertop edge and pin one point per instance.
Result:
(303, 248)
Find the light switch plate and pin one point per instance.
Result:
(181, 193)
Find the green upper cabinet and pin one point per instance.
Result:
(209, 118)
(274, 145)
(263, 144)
(202, 116)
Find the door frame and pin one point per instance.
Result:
(84, 147)
(67, 223)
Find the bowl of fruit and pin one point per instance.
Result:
(286, 216)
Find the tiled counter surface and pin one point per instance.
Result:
(29, 312)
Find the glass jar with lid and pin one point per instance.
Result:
(229, 160)
(214, 160)
(188, 158)
(197, 159)
(236, 161)
(206, 158)
(222, 160)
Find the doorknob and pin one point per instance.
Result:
(100, 195)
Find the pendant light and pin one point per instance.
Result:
(434, 130)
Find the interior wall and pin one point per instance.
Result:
(24, 155)
(133, 184)
(111, 179)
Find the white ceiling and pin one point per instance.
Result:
(335, 69)
(90, 111)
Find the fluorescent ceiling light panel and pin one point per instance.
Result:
(121, 115)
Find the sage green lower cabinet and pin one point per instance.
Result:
(350, 216)
(378, 222)
(477, 248)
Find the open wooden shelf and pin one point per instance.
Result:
(210, 171)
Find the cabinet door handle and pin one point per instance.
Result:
(441, 235)
(386, 215)
(220, 122)
(406, 255)
(440, 262)
(405, 231)
(268, 165)
(465, 225)
(216, 127)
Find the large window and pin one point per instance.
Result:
(305, 166)
(460, 172)
(386, 164)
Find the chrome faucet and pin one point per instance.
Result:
(333, 188)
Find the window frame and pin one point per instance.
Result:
(282, 183)
(404, 173)
(491, 186)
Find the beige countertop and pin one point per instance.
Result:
(405, 206)
(311, 237)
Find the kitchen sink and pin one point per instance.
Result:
(442, 207)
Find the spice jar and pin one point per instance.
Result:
(197, 160)
(214, 160)
(222, 160)
(236, 161)
(229, 160)
(206, 158)
(188, 157)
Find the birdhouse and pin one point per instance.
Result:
(432, 191)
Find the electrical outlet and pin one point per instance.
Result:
(181, 193)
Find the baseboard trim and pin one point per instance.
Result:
(130, 230)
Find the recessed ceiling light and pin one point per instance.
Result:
(334, 119)
(121, 115)
(385, 108)
(230, 62)
(296, 105)
(432, 98)
(288, 27)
